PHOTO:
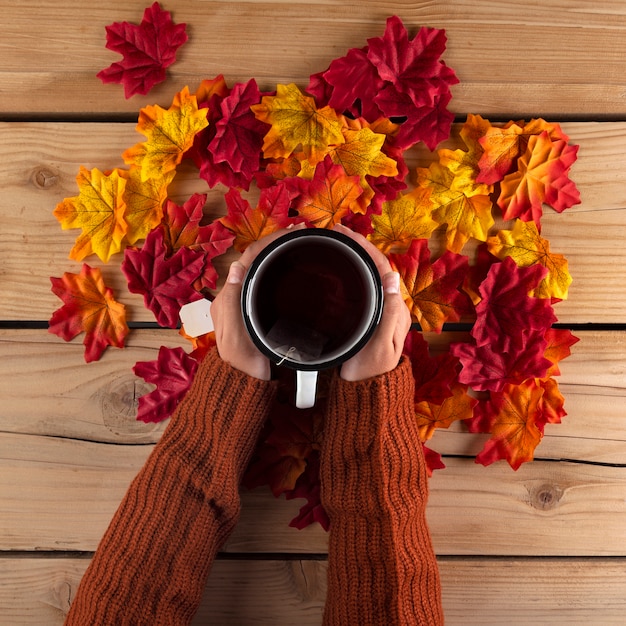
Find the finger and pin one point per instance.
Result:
(393, 307)
(380, 260)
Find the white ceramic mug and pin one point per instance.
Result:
(310, 300)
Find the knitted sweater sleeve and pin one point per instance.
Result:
(381, 564)
(152, 563)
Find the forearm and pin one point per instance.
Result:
(382, 568)
(153, 561)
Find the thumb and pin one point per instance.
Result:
(396, 320)
(231, 291)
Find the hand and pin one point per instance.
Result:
(233, 341)
(382, 352)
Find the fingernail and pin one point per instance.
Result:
(391, 283)
(235, 273)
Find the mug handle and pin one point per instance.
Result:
(306, 385)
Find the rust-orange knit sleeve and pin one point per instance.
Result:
(381, 564)
(152, 563)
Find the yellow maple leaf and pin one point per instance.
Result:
(144, 203)
(406, 218)
(361, 155)
(430, 416)
(459, 202)
(475, 128)
(297, 122)
(98, 210)
(170, 133)
(526, 247)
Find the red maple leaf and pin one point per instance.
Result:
(434, 375)
(486, 369)
(165, 283)
(309, 486)
(89, 307)
(182, 229)
(147, 50)
(506, 312)
(433, 460)
(238, 133)
(172, 373)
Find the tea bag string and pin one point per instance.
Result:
(287, 355)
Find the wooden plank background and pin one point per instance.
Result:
(543, 545)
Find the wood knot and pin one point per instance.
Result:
(119, 401)
(546, 496)
(44, 178)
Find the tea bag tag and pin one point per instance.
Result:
(196, 317)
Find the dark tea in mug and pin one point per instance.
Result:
(312, 299)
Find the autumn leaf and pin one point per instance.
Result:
(297, 122)
(459, 203)
(144, 203)
(147, 50)
(431, 290)
(558, 344)
(89, 307)
(551, 403)
(430, 416)
(516, 427)
(433, 460)
(329, 197)
(172, 373)
(506, 311)
(166, 283)
(98, 210)
(503, 145)
(308, 486)
(486, 369)
(169, 132)
(542, 175)
(402, 220)
(238, 133)
(526, 247)
(182, 229)
(458, 160)
(248, 224)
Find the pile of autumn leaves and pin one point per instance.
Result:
(332, 153)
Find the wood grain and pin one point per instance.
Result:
(512, 59)
(479, 592)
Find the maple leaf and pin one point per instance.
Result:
(526, 247)
(147, 50)
(327, 198)
(308, 486)
(169, 132)
(551, 403)
(433, 460)
(430, 416)
(515, 424)
(201, 345)
(458, 202)
(172, 373)
(361, 154)
(434, 376)
(297, 122)
(98, 210)
(474, 128)
(144, 203)
(503, 145)
(402, 220)
(506, 312)
(89, 307)
(431, 290)
(165, 283)
(558, 344)
(542, 175)
(238, 133)
(248, 224)
(485, 369)
(182, 229)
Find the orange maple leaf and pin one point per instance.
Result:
(297, 122)
(170, 133)
(89, 307)
(98, 210)
(516, 424)
(402, 220)
(430, 416)
(330, 196)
